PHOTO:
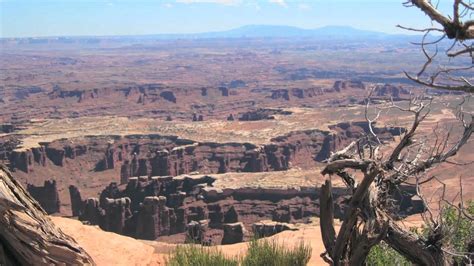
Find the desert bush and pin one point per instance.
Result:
(458, 232)
(260, 253)
(271, 253)
(194, 255)
(382, 254)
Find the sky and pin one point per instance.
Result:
(37, 18)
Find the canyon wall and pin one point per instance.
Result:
(157, 155)
(149, 208)
(190, 209)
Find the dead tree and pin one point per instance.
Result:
(27, 235)
(371, 215)
(447, 47)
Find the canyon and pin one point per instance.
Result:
(149, 147)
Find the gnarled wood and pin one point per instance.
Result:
(453, 27)
(27, 235)
(414, 248)
(327, 212)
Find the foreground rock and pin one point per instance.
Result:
(27, 234)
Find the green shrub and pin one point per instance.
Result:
(382, 254)
(193, 255)
(271, 253)
(259, 253)
(458, 232)
(458, 229)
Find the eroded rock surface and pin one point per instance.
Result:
(149, 208)
(47, 195)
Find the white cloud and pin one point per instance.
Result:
(279, 2)
(303, 6)
(221, 2)
(168, 5)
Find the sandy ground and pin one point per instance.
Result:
(112, 249)
(309, 234)
(107, 248)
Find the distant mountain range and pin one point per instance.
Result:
(271, 31)
(253, 31)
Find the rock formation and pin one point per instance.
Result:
(156, 155)
(262, 114)
(154, 218)
(148, 208)
(47, 196)
(269, 228)
(117, 212)
(395, 92)
(6, 128)
(346, 84)
(169, 96)
(280, 94)
(224, 91)
(92, 213)
(76, 201)
(195, 231)
(233, 233)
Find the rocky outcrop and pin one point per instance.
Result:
(340, 85)
(117, 212)
(47, 196)
(262, 114)
(224, 91)
(280, 94)
(195, 231)
(156, 155)
(169, 96)
(148, 208)
(237, 84)
(154, 207)
(27, 234)
(300, 93)
(394, 92)
(269, 228)
(76, 201)
(159, 100)
(197, 117)
(6, 128)
(53, 152)
(233, 233)
(92, 213)
(154, 218)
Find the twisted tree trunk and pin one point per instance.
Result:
(414, 248)
(27, 235)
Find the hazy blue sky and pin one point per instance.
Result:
(21, 18)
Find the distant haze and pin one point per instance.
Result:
(33, 18)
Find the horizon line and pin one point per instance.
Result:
(197, 33)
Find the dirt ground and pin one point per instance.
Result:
(112, 249)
